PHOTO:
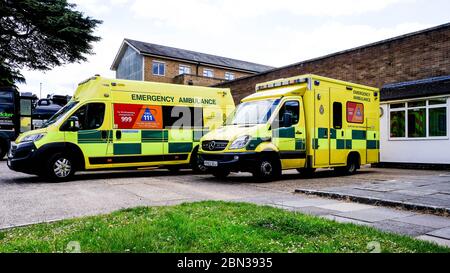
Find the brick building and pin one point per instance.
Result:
(150, 62)
(413, 56)
(413, 71)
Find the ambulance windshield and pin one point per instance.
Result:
(252, 112)
(60, 113)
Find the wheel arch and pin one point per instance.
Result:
(65, 147)
(266, 147)
(194, 152)
(354, 154)
(268, 153)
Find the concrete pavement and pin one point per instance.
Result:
(430, 193)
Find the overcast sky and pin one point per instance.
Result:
(269, 32)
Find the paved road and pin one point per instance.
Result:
(26, 199)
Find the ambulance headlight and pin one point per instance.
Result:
(32, 138)
(240, 142)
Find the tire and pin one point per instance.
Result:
(219, 173)
(306, 172)
(60, 167)
(194, 163)
(352, 166)
(267, 169)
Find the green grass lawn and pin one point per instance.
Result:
(205, 227)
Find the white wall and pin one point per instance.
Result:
(413, 151)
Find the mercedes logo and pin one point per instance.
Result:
(211, 145)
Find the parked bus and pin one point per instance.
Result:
(9, 118)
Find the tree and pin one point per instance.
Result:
(42, 34)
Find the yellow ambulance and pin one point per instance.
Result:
(117, 124)
(305, 122)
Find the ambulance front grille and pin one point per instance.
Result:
(214, 145)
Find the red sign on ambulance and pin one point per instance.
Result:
(355, 112)
(137, 116)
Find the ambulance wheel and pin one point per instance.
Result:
(220, 173)
(352, 165)
(195, 163)
(267, 169)
(306, 172)
(60, 167)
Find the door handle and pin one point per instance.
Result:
(298, 133)
(118, 134)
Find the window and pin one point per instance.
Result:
(208, 73)
(417, 122)
(337, 115)
(355, 112)
(291, 108)
(6, 97)
(130, 66)
(397, 105)
(419, 119)
(159, 68)
(252, 112)
(25, 107)
(397, 124)
(182, 117)
(438, 122)
(69, 106)
(437, 101)
(184, 69)
(90, 116)
(229, 76)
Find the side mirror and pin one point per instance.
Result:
(73, 124)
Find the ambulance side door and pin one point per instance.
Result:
(321, 140)
(93, 132)
(338, 152)
(289, 136)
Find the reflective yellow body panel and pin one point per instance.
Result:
(145, 124)
(336, 118)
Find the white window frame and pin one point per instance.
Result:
(184, 67)
(205, 70)
(427, 119)
(159, 63)
(228, 74)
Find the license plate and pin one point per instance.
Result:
(208, 163)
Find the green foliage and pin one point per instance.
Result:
(206, 227)
(42, 34)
